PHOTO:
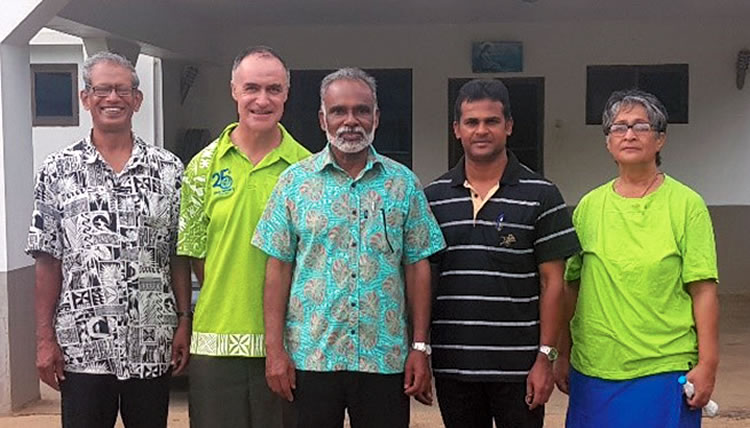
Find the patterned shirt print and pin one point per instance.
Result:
(114, 233)
(349, 239)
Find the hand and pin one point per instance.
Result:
(561, 373)
(425, 397)
(49, 362)
(417, 378)
(703, 377)
(539, 383)
(181, 346)
(280, 374)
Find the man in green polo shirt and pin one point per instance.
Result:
(225, 191)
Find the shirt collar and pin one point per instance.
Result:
(510, 176)
(91, 155)
(285, 150)
(325, 159)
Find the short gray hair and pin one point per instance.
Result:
(657, 113)
(263, 52)
(655, 110)
(111, 58)
(355, 74)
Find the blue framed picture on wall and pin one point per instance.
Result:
(493, 57)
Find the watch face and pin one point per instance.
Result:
(552, 354)
(549, 351)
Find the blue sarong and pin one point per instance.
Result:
(655, 401)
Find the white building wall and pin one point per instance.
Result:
(710, 153)
(18, 21)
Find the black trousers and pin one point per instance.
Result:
(476, 404)
(92, 401)
(371, 400)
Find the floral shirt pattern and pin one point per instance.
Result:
(114, 233)
(349, 239)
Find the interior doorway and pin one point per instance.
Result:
(527, 102)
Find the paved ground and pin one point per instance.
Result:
(732, 390)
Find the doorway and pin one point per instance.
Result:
(527, 103)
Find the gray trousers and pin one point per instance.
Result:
(232, 392)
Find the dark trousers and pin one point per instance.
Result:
(371, 400)
(476, 404)
(92, 401)
(232, 392)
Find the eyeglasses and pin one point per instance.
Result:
(104, 91)
(639, 128)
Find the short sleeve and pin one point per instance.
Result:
(45, 233)
(699, 247)
(555, 238)
(422, 234)
(274, 232)
(175, 208)
(575, 262)
(573, 267)
(193, 221)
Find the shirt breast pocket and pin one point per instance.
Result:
(507, 241)
(156, 224)
(156, 210)
(388, 232)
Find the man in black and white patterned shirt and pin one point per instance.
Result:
(109, 325)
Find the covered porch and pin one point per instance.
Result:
(433, 40)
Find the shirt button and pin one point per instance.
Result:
(354, 304)
(354, 244)
(354, 212)
(354, 275)
(352, 332)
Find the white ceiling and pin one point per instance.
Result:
(168, 26)
(342, 12)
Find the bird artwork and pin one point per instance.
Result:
(187, 79)
(743, 61)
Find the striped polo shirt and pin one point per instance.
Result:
(485, 324)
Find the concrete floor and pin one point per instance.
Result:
(732, 390)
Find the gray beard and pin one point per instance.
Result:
(350, 146)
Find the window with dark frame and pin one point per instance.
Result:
(669, 82)
(54, 94)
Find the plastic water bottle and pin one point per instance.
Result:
(711, 408)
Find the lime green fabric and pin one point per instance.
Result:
(223, 197)
(634, 314)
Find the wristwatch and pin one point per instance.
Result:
(549, 351)
(422, 347)
(185, 314)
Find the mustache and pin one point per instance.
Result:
(351, 129)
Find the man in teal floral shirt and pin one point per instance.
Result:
(348, 233)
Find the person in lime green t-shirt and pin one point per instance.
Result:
(642, 292)
(225, 191)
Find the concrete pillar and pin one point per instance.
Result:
(20, 20)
